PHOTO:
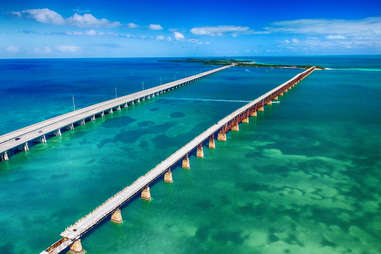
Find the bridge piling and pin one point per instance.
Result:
(253, 114)
(235, 127)
(245, 120)
(58, 133)
(221, 136)
(185, 163)
(26, 147)
(76, 248)
(116, 217)
(146, 194)
(168, 176)
(43, 139)
(212, 143)
(5, 156)
(200, 151)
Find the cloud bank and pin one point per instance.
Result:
(48, 16)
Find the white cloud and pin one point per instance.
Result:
(132, 25)
(68, 48)
(335, 37)
(88, 32)
(44, 50)
(367, 26)
(155, 27)
(48, 16)
(218, 30)
(88, 20)
(198, 42)
(178, 35)
(45, 15)
(160, 37)
(12, 49)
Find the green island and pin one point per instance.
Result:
(242, 63)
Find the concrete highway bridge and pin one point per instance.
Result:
(111, 208)
(20, 140)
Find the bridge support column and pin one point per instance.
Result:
(254, 113)
(149, 97)
(58, 133)
(116, 217)
(269, 102)
(102, 114)
(185, 163)
(200, 151)
(5, 156)
(71, 127)
(281, 94)
(221, 136)
(83, 122)
(235, 127)
(76, 248)
(146, 194)
(285, 90)
(126, 105)
(26, 147)
(276, 98)
(138, 100)
(118, 108)
(261, 109)
(245, 120)
(132, 102)
(168, 176)
(43, 139)
(111, 111)
(93, 118)
(212, 143)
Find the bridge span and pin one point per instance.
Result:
(111, 208)
(21, 139)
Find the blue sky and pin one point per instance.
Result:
(48, 28)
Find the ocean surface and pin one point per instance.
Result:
(303, 177)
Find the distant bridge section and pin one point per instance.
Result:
(21, 139)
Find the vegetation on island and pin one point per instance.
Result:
(243, 63)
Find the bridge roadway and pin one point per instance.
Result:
(21, 137)
(79, 228)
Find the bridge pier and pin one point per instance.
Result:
(270, 102)
(281, 94)
(221, 136)
(5, 156)
(126, 105)
(83, 122)
(245, 120)
(146, 194)
(102, 114)
(111, 111)
(26, 147)
(185, 163)
(76, 248)
(71, 127)
(235, 127)
(261, 109)
(43, 139)
(116, 217)
(276, 97)
(132, 103)
(168, 176)
(93, 118)
(138, 101)
(254, 113)
(200, 151)
(58, 133)
(212, 143)
(118, 108)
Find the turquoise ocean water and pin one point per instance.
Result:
(304, 177)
